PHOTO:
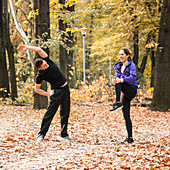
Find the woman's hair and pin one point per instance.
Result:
(127, 52)
(38, 62)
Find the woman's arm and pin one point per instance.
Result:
(132, 77)
(42, 53)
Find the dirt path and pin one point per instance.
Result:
(96, 133)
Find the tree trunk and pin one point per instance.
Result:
(136, 47)
(145, 57)
(10, 51)
(144, 61)
(152, 67)
(70, 43)
(162, 68)
(66, 56)
(62, 50)
(88, 49)
(43, 26)
(70, 74)
(4, 81)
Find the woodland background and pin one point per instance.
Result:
(56, 26)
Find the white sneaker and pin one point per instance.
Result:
(68, 138)
(40, 138)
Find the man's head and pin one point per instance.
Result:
(41, 64)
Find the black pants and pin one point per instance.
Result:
(60, 98)
(124, 94)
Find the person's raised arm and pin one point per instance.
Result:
(42, 53)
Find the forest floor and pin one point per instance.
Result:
(97, 134)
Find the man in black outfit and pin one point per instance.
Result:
(59, 94)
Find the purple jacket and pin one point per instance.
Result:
(129, 74)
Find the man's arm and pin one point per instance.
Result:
(42, 53)
(42, 92)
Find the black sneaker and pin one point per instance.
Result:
(40, 138)
(116, 106)
(128, 140)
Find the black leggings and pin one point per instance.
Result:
(124, 94)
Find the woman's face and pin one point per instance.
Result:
(123, 56)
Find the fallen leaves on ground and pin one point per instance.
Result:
(97, 134)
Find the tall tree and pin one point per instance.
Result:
(70, 54)
(4, 81)
(62, 49)
(43, 31)
(5, 45)
(67, 36)
(10, 50)
(152, 56)
(162, 68)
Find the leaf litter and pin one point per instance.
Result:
(97, 134)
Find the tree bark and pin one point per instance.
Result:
(43, 26)
(62, 50)
(145, 57)
(152, 67)
(66, 56)
(10, 51)
(144, 61)
(4, 80)
(162, 68)
(136, 46)
(70, 53)
(88, 49)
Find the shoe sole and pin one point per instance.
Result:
(68, 139)
(40, 140)
(60, 139)
(126, 142)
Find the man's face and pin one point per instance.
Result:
(43, 66)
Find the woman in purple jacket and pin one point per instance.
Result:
(125, 87)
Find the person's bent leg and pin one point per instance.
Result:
(65, 111)
(117, 104)
(129, 90)
(118, 92)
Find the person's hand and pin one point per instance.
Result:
(22, 48)
(118, 80)
(51, 93)
(114, 81)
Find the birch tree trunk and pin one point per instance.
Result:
(20, 30)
